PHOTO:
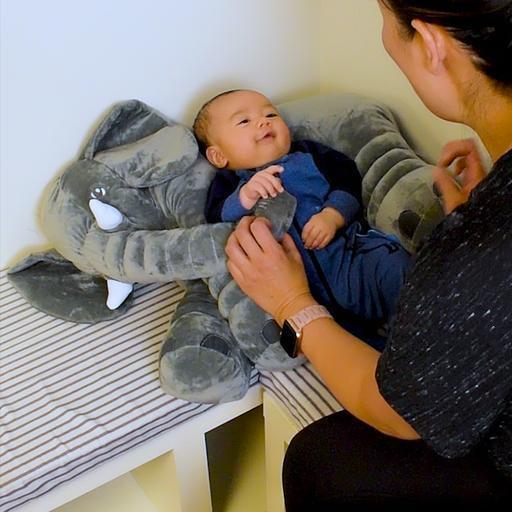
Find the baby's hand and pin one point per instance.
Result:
(262, 185)
(321, 228)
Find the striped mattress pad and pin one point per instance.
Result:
(73, 396)
(302, 393)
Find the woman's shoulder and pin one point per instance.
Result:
(466, 262)
(447, 363)
(498, 183)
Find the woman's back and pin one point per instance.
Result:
(447, 370)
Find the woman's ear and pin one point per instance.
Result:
(216, 157)
(433, 43)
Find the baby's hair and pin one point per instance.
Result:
(202, 121)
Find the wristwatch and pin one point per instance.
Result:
(291, 334)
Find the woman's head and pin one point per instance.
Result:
(475, 34)
(483, 27)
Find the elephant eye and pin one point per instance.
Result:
(98, 192)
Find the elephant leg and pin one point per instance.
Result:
(256, 332)
(200, 361)
(55, 286)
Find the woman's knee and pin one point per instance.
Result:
(297, 472)
(296, 456)
(311, 449)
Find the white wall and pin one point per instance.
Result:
(63, 63)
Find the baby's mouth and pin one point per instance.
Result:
(267, 136)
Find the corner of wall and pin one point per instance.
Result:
(353, 59)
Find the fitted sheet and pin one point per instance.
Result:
(73, 396)
(302, 393)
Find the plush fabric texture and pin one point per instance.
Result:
(147, 171)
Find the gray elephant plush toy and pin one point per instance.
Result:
(129, 211)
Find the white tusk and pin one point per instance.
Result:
(117, 293)
(106, 216)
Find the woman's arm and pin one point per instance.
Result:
(347, 366)
(272, 274)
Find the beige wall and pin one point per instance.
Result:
(354, 59)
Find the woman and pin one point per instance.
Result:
(429, 419)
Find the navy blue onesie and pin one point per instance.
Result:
(358, 275)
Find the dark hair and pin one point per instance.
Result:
(484, 27)
(202, 121)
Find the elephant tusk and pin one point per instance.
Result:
(117, 293)
(106, 216)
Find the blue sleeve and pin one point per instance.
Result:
(232, 210)
(345, 203)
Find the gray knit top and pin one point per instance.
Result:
(447, 367)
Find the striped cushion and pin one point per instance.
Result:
(74, 395)
(302, 393)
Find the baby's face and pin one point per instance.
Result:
(245, 131)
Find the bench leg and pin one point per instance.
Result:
(279, 430)
(192, 476)
(178, 481)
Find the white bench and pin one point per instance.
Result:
(80, 405)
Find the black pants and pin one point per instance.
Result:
(339, 463)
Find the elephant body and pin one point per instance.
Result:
(143, 174)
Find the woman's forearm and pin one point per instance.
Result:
(273, 275)
(347, 365)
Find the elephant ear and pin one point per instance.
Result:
(55, 286)
(141, 145)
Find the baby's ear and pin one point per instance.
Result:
(216, 157)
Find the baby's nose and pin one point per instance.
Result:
(263, 121)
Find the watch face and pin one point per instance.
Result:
(289, 340)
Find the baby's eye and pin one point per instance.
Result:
(272, 114)
(243, 121)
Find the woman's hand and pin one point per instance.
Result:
(468, 164)
(270, 273)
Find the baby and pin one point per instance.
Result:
(354, 271)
